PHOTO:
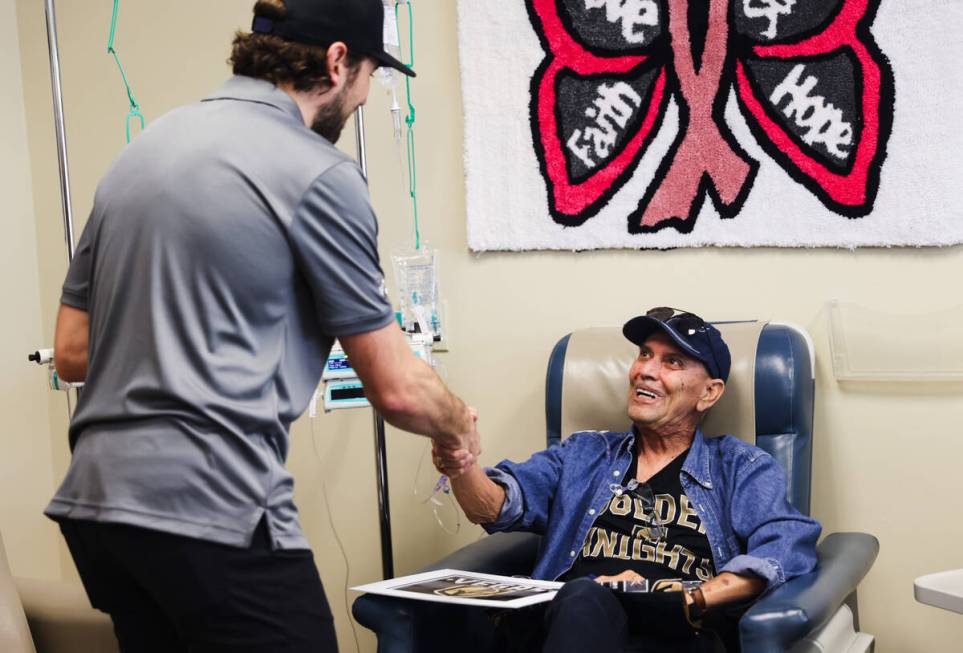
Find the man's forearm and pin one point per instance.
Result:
(404, 389)
(731, 588)
(480, 497)
(70, 344)
(428, 407)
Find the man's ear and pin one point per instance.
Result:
(712, 393)
(337, 61)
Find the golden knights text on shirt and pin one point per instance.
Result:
(641, 545)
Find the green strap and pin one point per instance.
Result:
(410, 120)
(134, 112)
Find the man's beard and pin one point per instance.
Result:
(331, 118)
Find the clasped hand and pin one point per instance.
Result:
(455, 460)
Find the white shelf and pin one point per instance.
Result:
(942, 590)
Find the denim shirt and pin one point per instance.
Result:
(738, 490)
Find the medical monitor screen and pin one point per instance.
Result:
(347, 393)
(338, 364)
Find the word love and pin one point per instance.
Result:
(769, 9)
(632, 14)
(611, 111)
(823, 122)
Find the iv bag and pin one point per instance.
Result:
(416, 277)
(391, 37)
(392, 42)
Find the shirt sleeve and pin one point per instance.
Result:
(780, 541)
(334, 236)
(76, 289)
(530, 488)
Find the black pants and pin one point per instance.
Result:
(585, 616)
(167, 593)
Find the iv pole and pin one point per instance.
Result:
(58, 110)
(381, 458)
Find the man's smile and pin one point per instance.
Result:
(647, 394)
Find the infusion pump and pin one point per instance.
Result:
(343, 388)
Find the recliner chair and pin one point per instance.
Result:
(768, 401)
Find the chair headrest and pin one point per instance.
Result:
(595, 382)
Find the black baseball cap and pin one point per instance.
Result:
(695, 337)
(357, 23)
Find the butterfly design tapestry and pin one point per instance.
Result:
(677, 123)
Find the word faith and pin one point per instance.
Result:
(635, 16)
(823, 122)
(611, 111)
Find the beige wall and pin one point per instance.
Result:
(25, 462)
(886, 456)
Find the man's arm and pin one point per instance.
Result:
(334, 237)
(728, 587)
(512, 496)
(480, 497)
(717, 591)
(406, 391)
(780, 542)
(70, 344)
(725, 589)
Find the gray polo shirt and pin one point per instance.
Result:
(227, 247)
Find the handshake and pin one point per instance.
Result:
(454, 458)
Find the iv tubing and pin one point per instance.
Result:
(134, 111)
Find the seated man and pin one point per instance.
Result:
(657, 502)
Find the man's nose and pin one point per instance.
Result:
(644, 369)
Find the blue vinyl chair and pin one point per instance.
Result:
(769, 400)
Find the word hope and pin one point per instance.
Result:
(822, 120)
(633, 14)
(611, 111)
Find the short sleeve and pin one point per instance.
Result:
(76, 289)
(334, 235)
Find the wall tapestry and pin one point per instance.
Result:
(679, 123)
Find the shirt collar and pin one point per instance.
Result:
(249, 89)
(696, 462)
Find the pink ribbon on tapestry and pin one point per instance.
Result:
(814, 89)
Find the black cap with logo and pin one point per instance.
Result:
(695, 336)
(357, 23)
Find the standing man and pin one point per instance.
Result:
(227, 247)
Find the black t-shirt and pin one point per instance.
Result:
(624, 535)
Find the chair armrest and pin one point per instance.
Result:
(506, 554)
(59, 615)
(805, 603)
(405, 626)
